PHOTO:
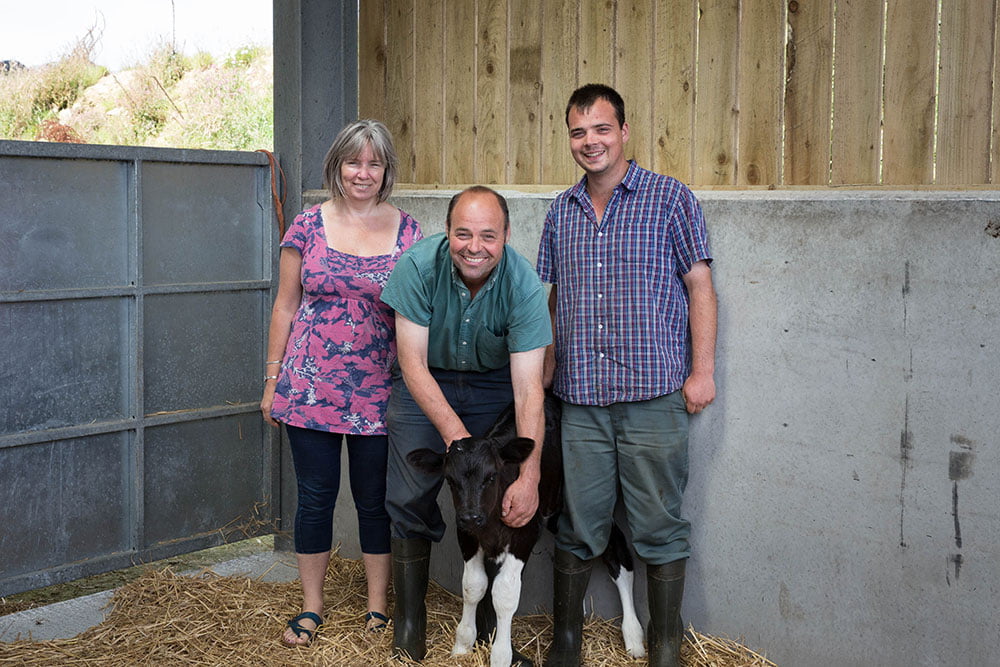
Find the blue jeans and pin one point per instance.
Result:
(316, 455)
(411, 498)
(641, 448)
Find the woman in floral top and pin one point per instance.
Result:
(330, 348)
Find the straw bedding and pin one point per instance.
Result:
(164, 618)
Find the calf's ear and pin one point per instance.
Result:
(516, 450)
(426, 459)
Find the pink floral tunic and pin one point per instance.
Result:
(335, 373)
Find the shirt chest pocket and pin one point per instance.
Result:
(491, 349)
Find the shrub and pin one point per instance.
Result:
(244, 56)
(29, 97)
(167, 65)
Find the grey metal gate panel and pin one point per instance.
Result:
(135, 290)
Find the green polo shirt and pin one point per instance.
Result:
(509, 314)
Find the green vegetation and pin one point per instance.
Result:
(168, 100)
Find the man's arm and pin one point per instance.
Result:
(411, 347)
(520, 502)
(549, 367)
(699, 388)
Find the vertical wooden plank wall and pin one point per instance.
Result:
(730, 93)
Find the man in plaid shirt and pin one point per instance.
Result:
(634, 311)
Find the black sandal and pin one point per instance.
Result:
(374, 615)
(298, 628)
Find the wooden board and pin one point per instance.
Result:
(371, 60)
(596, 47)
(964, 115)
(559, 80)
(633, 76)
(399, 77)
(715, 93)
(908, 98)
(857, 93)
(460, 84)
(491, 92)
(761, 92)
(525, 92)
(672, 94)
(808, 86)
(428, 112)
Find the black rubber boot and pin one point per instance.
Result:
(411, 561)
(570, 576)
(665, 589)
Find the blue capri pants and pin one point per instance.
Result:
(316, 455)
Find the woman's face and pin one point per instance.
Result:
(361, 175)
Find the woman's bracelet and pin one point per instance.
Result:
(272, 362)
(270, 377)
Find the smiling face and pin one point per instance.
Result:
(361, 175)
(597, 141)
(476, 235)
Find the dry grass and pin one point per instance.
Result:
(164, 618)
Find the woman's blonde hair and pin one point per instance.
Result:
(349, 143)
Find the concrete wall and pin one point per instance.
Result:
(844, 485)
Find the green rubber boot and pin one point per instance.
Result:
(665, 589)
(570, 576)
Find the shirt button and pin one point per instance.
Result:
(465, 342)
(600, 326)
(600, 296)
(466, 320)
(602, 355)
(599, 234)
(600, 264)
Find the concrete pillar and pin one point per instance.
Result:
(315, 94)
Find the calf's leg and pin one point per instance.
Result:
(621, 569)
(506, 595)
(474, 583)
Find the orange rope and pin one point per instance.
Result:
(279, 201)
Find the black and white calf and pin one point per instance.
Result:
(478, 471)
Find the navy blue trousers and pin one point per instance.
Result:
(316, 455)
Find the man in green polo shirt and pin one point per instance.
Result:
(472, 324)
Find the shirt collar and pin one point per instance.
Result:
(629, 182)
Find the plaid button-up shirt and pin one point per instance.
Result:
(621, 326)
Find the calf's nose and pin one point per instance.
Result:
(471, 520)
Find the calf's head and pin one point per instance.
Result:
(478, 471)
